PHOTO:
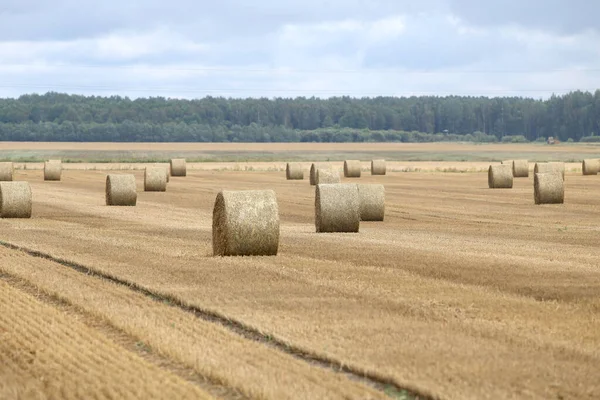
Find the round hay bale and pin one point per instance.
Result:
(372, 202)
(6, 171)
(155, 179)
(337, 208)
(178, 167)
(352, 169)
(15, 200)
(313, 171)
(327, 175)
(500, 176)
(121, 190)
(245, 223)
(590, 166)
(548, 188)
(378, 167)
(294, 171)
(520, 168)
(542, 168)
(168, 172)
(52, 170)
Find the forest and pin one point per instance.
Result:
(62, 117)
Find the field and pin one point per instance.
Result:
(461, 293)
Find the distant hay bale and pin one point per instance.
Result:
(313, 171)
(372, 202)
(542, 168)
(15, 200)
(500, 176)
(327, 175)
(155, 179)
(121, 190)
(378, 167)
(245, 223)
(52, 170)
(352, 168)
(337, 208)
(520, 168)
(6, 171)
(548, 188)
(178, 167)
(590, 166)
(168, 172)
(294, 171)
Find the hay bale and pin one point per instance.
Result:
(15, 200)
(543, 168)
(352, 169)
(520, 168)
(548, 188)
(337, 208)
(178, 167)
(590, 166)
(52, 170)
(500, 176)
(121, 190)
(378, 167)
(313, 171)
(246, 223)
(168, 172)
(372, 202)
(294, 171)
(327, 175)
(155, 179)
(6, 171)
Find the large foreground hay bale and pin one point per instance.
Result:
(121, 190)
(337, 208)
(590, 166)
(155, 179)
(500, 176)
(246, 223)
(520, 168)
(178, 167)
(352, 168)
(52, 170)
(378, 167)
(327, 175)
(548, 188)
(15, 200)
(313, 171)
(6, 171)
(372, 202)
(294, 171)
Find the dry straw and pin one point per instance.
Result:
(15, 200)
(155, 179)
(337, 208)
(6, 171)
(313, 171)
(542, 168)
(520, 168)
(590, 166)
(372, 202)
(352, 168)
(52, 170)
(327, 175)
(548, 188)
(246, 223)
(294, 171)
(378, 167)
(121, 190)
(500, 176)
(178, 167)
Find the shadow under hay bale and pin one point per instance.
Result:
(294, 171)
(590, 166)
(155, 179)
(352, 169)
(548, 188)
(178, 167)
(15, 200)
(520, 168)
(543, 168)
(372, 202)
(327, 175)
(313, 171)
(500, 176)
(337, 208)
(245, 223)
(6, 171)
(52, 170)
(121, 190)
(378, 167)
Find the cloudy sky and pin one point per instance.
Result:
(289, 48)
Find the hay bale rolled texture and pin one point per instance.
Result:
(327, 175)
(372, 202)
(542, 168)
(378, 167)
(500, 177)
(590, 166)
(548, 188)
(6, 171)
(294, 171)
(352, 169)
(52, 170)
(178, 167)
(121, 190)
(155, 179)
(520, 168)
(15, 200)
(337, 208)
(313, 171)
(245, 223)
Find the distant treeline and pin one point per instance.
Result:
(62, 117)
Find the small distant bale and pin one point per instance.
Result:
(352, 168)
(313, 171)
(6, 171)
(548, 188)
(337, 208)
(15, 200)
(294, 171)
(520, 168)
(155, 179)
(590, 166)
(178, 167)
(121, 190)
(378, 167)
(245, 223)
(500, 177)
(542, 168)
(372, 202)
(52, 170)
(327, 175)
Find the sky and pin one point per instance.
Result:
(323, 48)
